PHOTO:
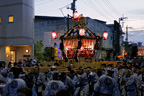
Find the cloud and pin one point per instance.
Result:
(137, 11)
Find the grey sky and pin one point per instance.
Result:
(106, 10)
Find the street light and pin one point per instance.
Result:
(105, 35)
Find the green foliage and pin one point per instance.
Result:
(48, 53)
(38, 50)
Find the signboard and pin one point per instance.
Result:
(48, 40)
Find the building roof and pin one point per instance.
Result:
(48, 18)
(57, 18)
(110, 25)
(100, 21)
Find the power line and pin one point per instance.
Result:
(134, 39)
(137, 32)
(91, 6)
(103, 8)
(44, 2)
(54, 9)
(111, 8)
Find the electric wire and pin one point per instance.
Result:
(91, 6)
(99, 4)
(44, 2)
(111, 8)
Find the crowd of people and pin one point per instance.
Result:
(125, 79)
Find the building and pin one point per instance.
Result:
(16, 29)
(117, 38)
(140, 50)
(139, 43)
(45, 25)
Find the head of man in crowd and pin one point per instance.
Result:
(134, 68)
(15, 64)
(56, 76)
(53, 68)
(110, 66)
(110, 72)
(71, 66)
(3, 64)
(24, 61)
(118, 64)
(103, 66)
(128, 72)
(24, 92)
(81, 70)
(129, 65)
(16, 72)
(63, 76)
(72, 73)
(36, 69)
(88, 69)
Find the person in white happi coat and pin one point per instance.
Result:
(54, 86)
(50, 73)
(130, 84)
(39, 82)
(68, 82)
(140, 83)
(13, 84)
(84, 84)
(93, 78)
(106, 85)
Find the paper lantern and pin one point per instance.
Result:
(82, 31)
(54, 34)
(76, 15)
(105, 35)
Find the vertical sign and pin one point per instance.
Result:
(48, 40)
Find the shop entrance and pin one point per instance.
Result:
(12, 54)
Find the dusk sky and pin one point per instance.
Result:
(106, 10)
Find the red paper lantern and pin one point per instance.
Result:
(82, 31)
(105, 35)
(76, 15)
(54, 34)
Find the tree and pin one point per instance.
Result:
(38, 53)
(49, 53)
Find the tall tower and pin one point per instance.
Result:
(16, 29)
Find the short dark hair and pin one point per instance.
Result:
(104, 64)
(16, 72)
(26, 91)
(56, 76)
(63, 93)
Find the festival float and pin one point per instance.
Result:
(79, 41)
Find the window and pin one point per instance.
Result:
(11, 19)
(0, 20)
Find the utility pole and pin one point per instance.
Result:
(121, 19)
(73, 9)
(73, 6)
(67, 22)
(126, 43)
(127, 34)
